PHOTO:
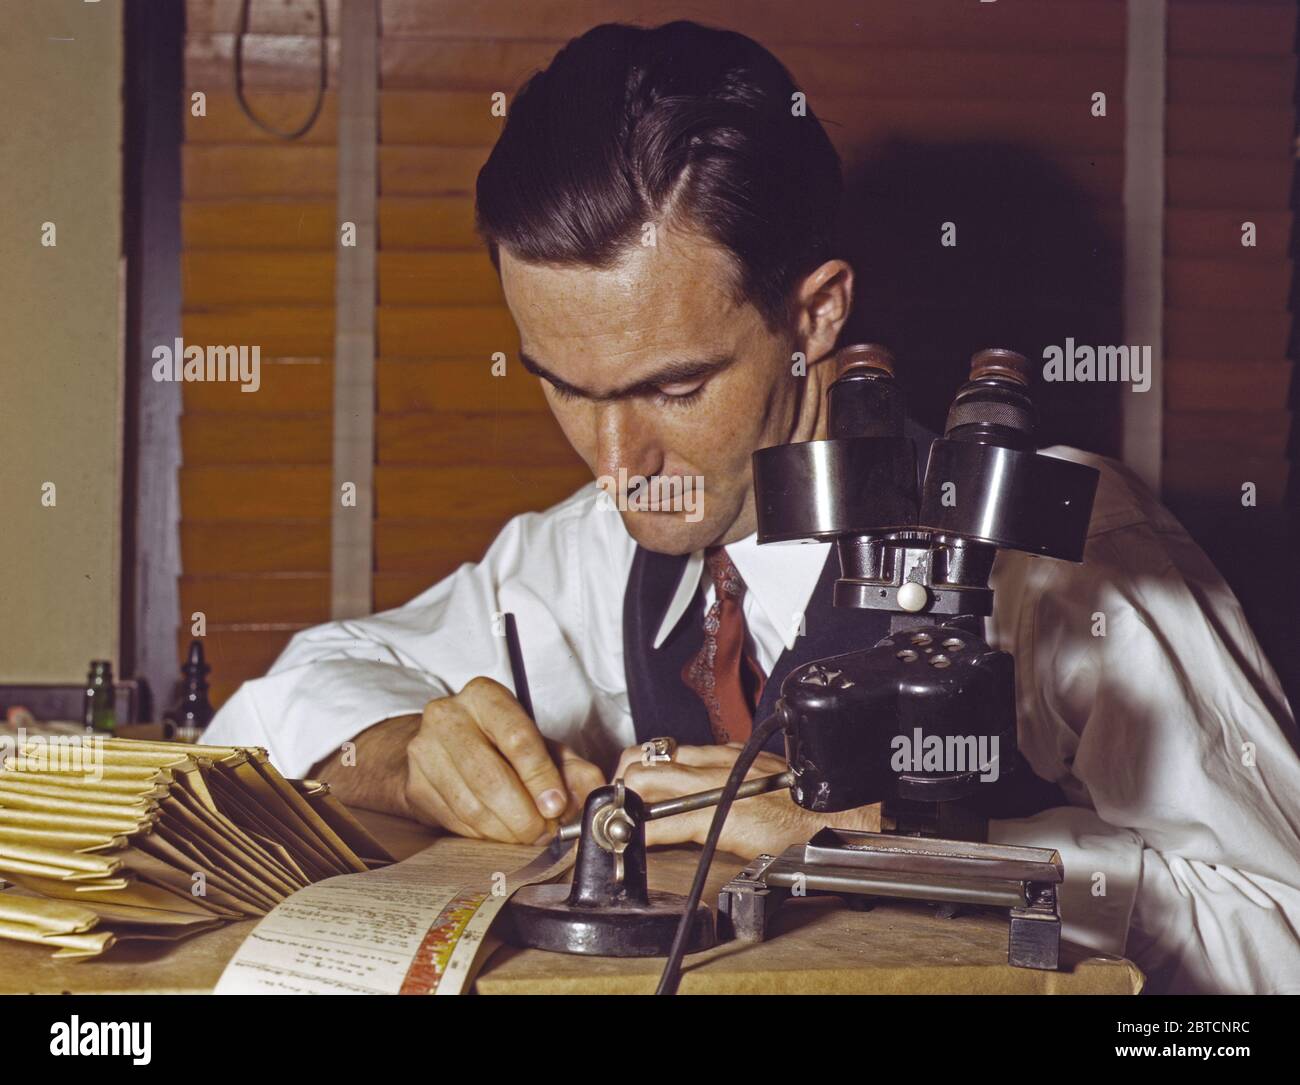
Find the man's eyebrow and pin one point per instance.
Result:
(670, 373)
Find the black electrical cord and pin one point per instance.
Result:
(320, 82)
(671, 975)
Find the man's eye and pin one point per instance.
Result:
(678, 395)
(562, 392)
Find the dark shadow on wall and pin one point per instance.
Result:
(1035, 262)
(1032, 265)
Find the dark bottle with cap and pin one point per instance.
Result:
(194, 712)
(100, 709)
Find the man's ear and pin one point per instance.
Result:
(823, 301)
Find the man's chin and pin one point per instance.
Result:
(669, 532)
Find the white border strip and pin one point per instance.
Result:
(352, 527)
(1142, 413)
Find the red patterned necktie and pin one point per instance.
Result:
(723, 674)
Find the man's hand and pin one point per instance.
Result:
(765, 823)
(473, 763)
(479, 767)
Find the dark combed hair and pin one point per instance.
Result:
(679, 124)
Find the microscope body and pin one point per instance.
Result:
(927, 715)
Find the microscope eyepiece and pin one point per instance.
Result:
(864, 401)
(870, 356)
(994, 405)
(999, 362)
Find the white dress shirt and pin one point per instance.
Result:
(1168, 733)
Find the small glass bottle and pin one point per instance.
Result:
(194, 712)
(101, 710)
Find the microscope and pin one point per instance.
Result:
(923, 721)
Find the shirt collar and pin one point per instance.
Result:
(780, 576)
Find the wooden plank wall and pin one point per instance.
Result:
(258, 236)
(458, 451)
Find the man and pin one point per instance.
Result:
(662, 222)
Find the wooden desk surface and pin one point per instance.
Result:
(819, 947)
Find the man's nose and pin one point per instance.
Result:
(625, 440)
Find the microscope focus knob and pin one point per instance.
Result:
(912, 597)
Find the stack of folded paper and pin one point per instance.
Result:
(107, 838)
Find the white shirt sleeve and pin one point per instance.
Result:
(1143, 693)
(335, 680)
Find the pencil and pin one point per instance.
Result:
(517, 672)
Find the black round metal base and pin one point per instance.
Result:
(541, 917)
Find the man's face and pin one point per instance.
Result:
(653, 368)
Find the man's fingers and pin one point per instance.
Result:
(679, 829)
(765, 764)
(479, 778)
(470, 777)
(427, 796)
(480, 789)
(500, 717)
(581, 777)
(655, 783)
(683, 755)
(706, 756)
(703, 757)
(633, 755)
